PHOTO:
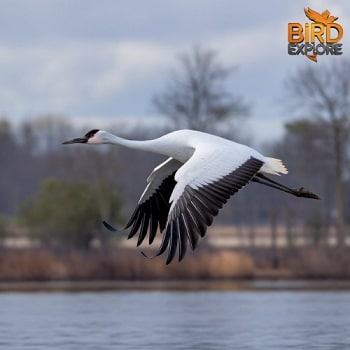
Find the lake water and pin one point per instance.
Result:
(147, 319)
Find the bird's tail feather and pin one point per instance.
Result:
(274, 166)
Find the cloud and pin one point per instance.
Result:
(41, 78)
(250, 45)
(82, 59)
(129, 63)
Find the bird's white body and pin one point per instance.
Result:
(182, 144)
(185, 192)
(205, 157)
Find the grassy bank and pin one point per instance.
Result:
(39, 264)
(119, 264)
(310, 262)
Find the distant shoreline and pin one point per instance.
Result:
(176, 285)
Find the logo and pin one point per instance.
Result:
(320, 37)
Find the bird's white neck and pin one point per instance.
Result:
(166, 145)
(147, 145)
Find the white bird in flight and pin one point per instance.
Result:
(185, 192)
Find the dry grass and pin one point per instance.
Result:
(320, 262)
(206, 264)
(47, 265)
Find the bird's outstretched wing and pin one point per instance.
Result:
(203, 185)
(153, 207)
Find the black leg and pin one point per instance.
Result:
(262, 179)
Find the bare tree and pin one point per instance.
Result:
(196, 96)
(324, 94)
(306, 152)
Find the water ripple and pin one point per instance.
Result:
(175, 320)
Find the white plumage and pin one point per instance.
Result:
(185, 192)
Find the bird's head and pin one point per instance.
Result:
(94, 136)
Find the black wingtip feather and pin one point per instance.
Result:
(110, 227)
(183, 236)
(174, 235)
(143, 230)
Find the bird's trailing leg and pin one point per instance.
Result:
(300, 192)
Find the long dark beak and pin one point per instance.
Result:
(77, 140)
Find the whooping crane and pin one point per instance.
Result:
(185, 192)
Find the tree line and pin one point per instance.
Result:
(33, 178)
(40, 177)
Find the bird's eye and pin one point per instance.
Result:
(91, 133)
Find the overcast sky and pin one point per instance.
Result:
(98, 61)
